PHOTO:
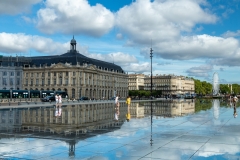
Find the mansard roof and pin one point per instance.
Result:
(73, 57)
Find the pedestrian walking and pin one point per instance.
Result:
(128, 101)
(56, 99)
(117, 102)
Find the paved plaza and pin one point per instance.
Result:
(209, 131)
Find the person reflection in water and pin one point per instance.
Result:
(116, 115)
(234, 112)
(128, 102)
(58, 111)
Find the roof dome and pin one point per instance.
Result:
(73, 40)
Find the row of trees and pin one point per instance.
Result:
(204, 88)
(145, 93)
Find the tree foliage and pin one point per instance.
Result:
(202, 88)
(145, 93)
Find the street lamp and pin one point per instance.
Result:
(151, 55)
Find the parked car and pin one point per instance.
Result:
(83, 98)
(48, 99)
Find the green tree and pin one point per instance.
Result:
(224, 89)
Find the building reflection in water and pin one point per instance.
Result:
(78, 122)
(171, 108)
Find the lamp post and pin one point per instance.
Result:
(151, 55)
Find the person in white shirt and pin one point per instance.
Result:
(235, 99)
(117, 103)
(60, 98)
(56, 99)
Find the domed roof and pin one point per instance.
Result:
(73, 40)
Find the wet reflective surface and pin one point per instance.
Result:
(201, 129)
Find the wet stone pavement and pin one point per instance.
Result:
(181, 129)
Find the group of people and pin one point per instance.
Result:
(117, 108)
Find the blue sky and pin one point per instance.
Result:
(193, 38)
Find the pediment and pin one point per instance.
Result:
(92, 67)
(58, 65)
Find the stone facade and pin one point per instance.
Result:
(136, 81)
(76, 74)
(11, 72)
(11, 78)
(76, 80)
(170, 84)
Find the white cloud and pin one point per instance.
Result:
(119, 36)
(231, 34)
(199, 46)
(137, 67)
(201, 71)
(22, 43)
(117, 57)
(74, 17)
(16, 6)
(144, 21)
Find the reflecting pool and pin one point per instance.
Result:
(167, 129)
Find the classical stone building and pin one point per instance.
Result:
(136, 81)
(170, 84)
(11, 72)
(76, 74)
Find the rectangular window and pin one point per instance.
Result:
(54, 81)
(60, 81)
(26, 74)
(31, 74)
(11, 81)
(49, 82)
(74, 73)
(37, 81)
(43, 82)
(11, 73)
(66, 81)
(55, 73)
(49, 74)
(18, 81)
(37, 74)
(26, 82)
(66, 73)
(4, 81)
(4, 73)
(43, 74)
(18, 73)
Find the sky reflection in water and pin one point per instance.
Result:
(181, 129)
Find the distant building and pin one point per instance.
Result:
(170, 84)
(136, 81)
(11, 72)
